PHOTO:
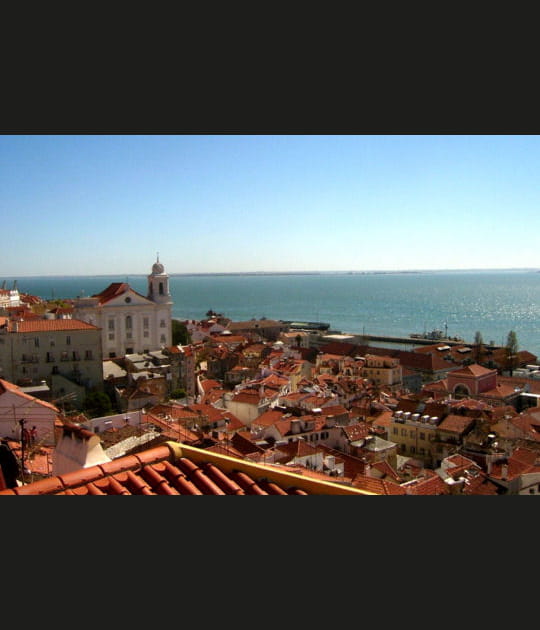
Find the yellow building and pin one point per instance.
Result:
(416, 435)
(383, 371)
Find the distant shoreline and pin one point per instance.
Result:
(282, 273)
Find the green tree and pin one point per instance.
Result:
(180, 334)
(97, 404)
(511, 352)
(478, 347)
(178, 393)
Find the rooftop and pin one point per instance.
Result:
(179, 469)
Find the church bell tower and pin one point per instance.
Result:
(158, 284)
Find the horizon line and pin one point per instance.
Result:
(276, 273)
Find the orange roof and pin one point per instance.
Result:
(50, 325)
(268, 417)
(178, 469)
(431, 484)
(113, 290)
(472, 370)
(455, 423)
(251, 397)
(377, 486)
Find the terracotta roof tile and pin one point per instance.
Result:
(455, 423)
(430, 485)
(114, 290)
(177, 469)
(378, 486)
(50, 325)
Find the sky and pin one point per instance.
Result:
(108, 204)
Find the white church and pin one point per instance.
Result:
(130, 322)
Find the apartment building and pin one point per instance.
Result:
(35, 350)
(383, 371)
(414, 434)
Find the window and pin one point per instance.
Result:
(76, 355)
(50, 357)
(111, 324)
(422, 436)
(403, 432)
(412, 433)
(412, 449)
(146, 322)
(146, 333)
(64, 356)
(112, 355)
(162, 323)
(111, 336)
(162, 339)
(36, 342)
(129, 335)
(51, 342)
(68, 340)
(396, 431)
(129, 322)
(88, 355)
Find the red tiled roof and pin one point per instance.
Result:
(479, 484)
(268, 418)
(177, 469)
(356, 431)
(113, 290)
(208, 384)
(472, 370)
(50, 325)
(529, 425)
(431, 484)
(298, 448)
(455, 423)
(251, 397)
(334, 410)
(378, 486)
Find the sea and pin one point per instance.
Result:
(460, 303)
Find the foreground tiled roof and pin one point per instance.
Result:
(178, 469)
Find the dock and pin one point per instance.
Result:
(415, 340)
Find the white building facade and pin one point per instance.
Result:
(130, 322)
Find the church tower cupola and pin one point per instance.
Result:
(158, 284)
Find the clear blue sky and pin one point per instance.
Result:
(105, 204)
